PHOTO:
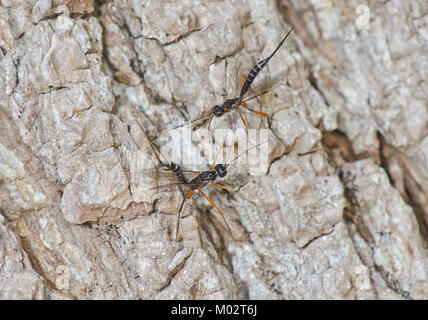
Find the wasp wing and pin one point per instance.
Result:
(171, 187)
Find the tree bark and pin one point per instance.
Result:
(340, 212)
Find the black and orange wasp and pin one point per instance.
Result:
(202, 179)
(231, 104)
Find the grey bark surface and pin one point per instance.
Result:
(341, 212)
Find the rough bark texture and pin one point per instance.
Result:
(342, 212)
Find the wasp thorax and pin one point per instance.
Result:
(221, 170)
(230, 103)
(218, 111)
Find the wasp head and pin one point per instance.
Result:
(218, 111)
(221, 170)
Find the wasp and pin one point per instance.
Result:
(203, 179)
(164, 168)
(235, 103)
(173, 167)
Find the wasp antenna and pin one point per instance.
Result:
(256, 96)
(200, 118)
(234, 135)
(259, 144)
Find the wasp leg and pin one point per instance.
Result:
(188, 195)
(210, 201)
(242, 118)
(246, 105)
(223, 187)
(230, 119)
(255, 111)
(209, 121)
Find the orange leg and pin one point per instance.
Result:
(246, 106)
(210, 201)
(223, 187)
(188, 195)
(255, 111)
(242, 118)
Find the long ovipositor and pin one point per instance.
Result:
(173, 167)
(258, 67)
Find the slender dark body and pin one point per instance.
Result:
(231, 104)
(200, 181)
(173, 167)
(208, 176)
(258, 67)
(176, 169)
(228, 105)
(235, 103)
